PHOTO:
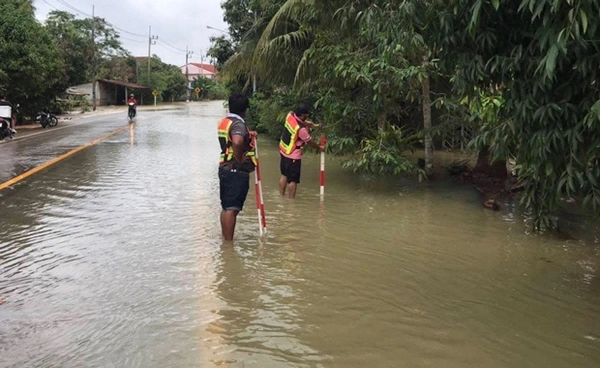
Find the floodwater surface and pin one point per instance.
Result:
(113, 258)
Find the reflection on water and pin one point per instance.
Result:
(114, 258)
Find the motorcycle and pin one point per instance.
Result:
(132, 111)
(46, 119)
(5, 130)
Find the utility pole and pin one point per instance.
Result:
(94, 58)
(151, 41)
(188, 55)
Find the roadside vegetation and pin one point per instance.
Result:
(509, 80)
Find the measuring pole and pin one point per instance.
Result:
(323, 143)
(260, 203)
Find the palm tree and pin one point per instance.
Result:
(272, 49)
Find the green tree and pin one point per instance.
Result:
(165, 78)
(544, 56)
(75, 47)
(247, 20)
(523, 72)
(83, 55)
(119, 68)
(244, 15)
(221, 50)
(211, 88)
(31, 65)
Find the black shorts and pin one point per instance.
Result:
(291, 169)
(233, 187)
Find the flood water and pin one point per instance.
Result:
(113, 258)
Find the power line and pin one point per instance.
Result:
(169, 44)
(130, 40)
(71, 7)
(75, 9)
(168, 49)
(178, 50)
(50, 5)
(125, 31)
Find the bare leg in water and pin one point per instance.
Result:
(228, 220)
(292, 191)
(282, 184)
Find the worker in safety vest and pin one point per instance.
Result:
(236, 163)
(294, 138)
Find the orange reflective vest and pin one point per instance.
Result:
(225, 142)
(289, 137)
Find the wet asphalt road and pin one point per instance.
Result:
(33, 147)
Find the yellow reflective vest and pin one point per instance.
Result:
(225, 142)
(289, 137)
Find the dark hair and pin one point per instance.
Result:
(238, 103)
(302, 109)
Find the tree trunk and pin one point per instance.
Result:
(381, 122)
(427, 126)
(495, 169)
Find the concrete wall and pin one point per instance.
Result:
(106, 93)
(87, 88)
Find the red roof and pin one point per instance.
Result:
(207, 67)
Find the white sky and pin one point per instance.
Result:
(176, 22)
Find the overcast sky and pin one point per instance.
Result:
(176, 22)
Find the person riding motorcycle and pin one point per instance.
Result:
(7, 112)
(132, 103)
(132, 100)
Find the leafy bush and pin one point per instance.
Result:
(211, 89)
(381, 153)
(267, 112)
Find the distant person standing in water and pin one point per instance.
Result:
(293, 139)
(236, 163)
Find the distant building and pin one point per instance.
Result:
(196, 70)
(108, 92)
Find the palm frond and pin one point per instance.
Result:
(285, 16)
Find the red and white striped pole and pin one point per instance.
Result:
(323, 143)
(260, 203)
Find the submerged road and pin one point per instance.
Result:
(111, 256)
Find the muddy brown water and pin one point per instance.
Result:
(113, 258)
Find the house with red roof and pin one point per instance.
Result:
(195, 70)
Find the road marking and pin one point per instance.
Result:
(43, 166)
(91, 118)
(50, 130)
